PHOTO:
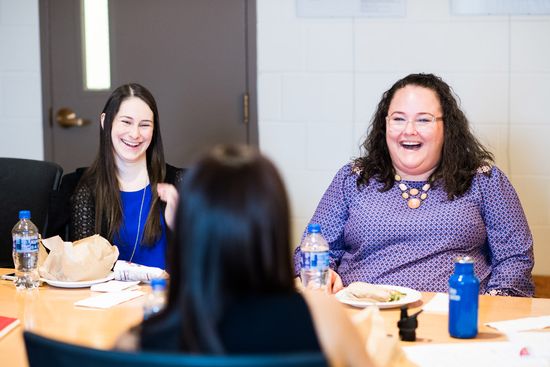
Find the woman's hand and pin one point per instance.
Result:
(334, 281)
(169, 194)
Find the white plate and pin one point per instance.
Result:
(410, 296)
(81, 284)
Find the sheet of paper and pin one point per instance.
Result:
(502, 354)
(114, 286)
(108, 300)
(438, 304)
(524, 324)
(535, 344)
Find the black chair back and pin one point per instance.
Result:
(44, 352)
(24, 184)
(59, 213)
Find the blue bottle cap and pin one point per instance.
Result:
(313, 228)
(24, 214)
(158, 283)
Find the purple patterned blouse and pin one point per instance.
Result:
(375, 237)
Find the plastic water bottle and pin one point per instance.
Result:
(314, 261)
(25, 252)
(463, 299)
(156, 300)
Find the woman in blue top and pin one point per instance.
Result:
(119, 196)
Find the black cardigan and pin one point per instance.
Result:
(63, 201)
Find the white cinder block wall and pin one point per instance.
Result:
(20, 80)
(320, 79)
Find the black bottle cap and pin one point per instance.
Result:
(407, 325)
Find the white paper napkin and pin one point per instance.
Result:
(114, 286)
(438, 304)
(108, 300)
(527, 323)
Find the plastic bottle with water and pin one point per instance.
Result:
(25, 252)
(314, 261)
(156, 300)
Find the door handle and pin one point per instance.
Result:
(66, 117)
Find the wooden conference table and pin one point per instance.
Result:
(50, 311)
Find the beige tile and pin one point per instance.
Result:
(305, 189)
(483, 95)
(529, 98)
(425, 46)
(329, 145)
(529, 150)
(280, 46)
(302, 95)
(270, 93)
(329, 46)
(530, 45)
(284, 144)
(22, 96)
(336, 103)
(20, 48)
(369, 88)
(20, 12)
(21, 139)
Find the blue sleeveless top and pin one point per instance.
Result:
(125, 239)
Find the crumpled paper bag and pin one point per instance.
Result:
(384, 350)
(86, 259)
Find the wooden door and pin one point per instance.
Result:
(196, 56)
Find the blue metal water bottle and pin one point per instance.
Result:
(463, 299)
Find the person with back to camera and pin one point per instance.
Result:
(232, 285)
(119, 196)
(424, 192)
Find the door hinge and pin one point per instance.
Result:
(245, 108)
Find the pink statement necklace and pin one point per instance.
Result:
(414, 196)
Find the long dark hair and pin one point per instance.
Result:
(462, 153)
(101, 176)
(232, 239)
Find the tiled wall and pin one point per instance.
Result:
(20, 84)
(320, 79)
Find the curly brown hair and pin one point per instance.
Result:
(462, 153)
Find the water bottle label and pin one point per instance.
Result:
(25, 244)
(314, 260)
(453, 295)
